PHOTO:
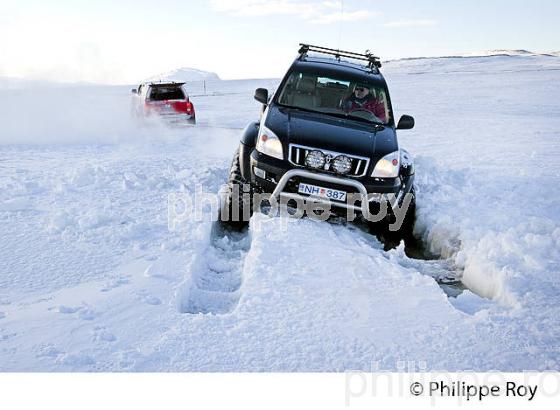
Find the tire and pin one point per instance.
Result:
(237, 208)
(410, 218)
(391, 238)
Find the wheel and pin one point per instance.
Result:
(410, 218)
(391, 238)
(237, 208)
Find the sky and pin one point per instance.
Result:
(123, 42)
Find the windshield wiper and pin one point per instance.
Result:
(377, 124)
(293, 107)
(355, 117)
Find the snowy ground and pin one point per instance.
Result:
(92, 278)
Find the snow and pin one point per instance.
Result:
(94, 279)
(502, 52)
(505, 185)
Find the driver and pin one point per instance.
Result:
(363, 99)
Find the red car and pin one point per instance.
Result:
(168, 100)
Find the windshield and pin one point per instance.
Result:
(364, 101)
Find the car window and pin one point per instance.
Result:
(166, 93)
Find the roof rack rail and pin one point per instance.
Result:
(373, 61)
(164, 83)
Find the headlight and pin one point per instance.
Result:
(388, 166)
(315, 159)
(342, 164)
(269, 144)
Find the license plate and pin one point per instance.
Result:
(321, 192)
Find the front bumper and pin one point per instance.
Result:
(282, 179)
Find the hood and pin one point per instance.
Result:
(294, 126)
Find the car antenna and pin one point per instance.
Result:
(340, 22)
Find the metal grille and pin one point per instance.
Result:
(299, 152)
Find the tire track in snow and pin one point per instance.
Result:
(216, 273)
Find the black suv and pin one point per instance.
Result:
(328, 135)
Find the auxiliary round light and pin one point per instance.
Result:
(342, 164)
(315, 159)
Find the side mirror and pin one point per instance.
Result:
(134, 91)
(261, 95)
(405, 123)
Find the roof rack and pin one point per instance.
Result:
(373, 61)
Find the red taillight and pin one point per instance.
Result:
(183, 106)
